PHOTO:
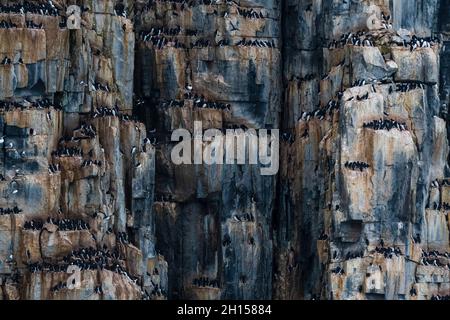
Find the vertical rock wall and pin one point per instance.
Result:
(73, 152)
(341, 226)
(77, 105)
(196, 205)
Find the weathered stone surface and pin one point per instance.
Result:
(424, 60)
(368, 63)
(355, 209)
(314, 230)
(112, 196)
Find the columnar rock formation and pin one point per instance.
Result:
(358, 210)
(340, 221)
(195, 205)
(67, 98)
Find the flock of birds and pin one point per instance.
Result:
(62, 224)
(438, 207)
(359, 38)
(67, 224)
(439, 297)
(96, 86)
(438, 183)
(39, 104)
(10, 211)
(89, 163)
(357, 165)
(396, 87)
(48, 8)
(54, 168)
(46, 267)
(247, 217)
(385, 124)
(181, 5)
(93, 259)
(354, 255)
(160, 41)
(307, 77)
(158, 31)
(30, 24)
(320, 112)
(162, 37)
(364, 39)
(407, 86)
(205, 282)
(122, 237)
(63, 152)
(104, 111)
(251, 13)
(256, 43)
(388, 252)
(88, 130)
(432, 258)
(417, 42)
(6, 61)
(7, 24)
(338, 270)
(198, 102)
(87, 259)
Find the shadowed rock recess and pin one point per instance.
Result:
(358, 210)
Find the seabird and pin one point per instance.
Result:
(335, 254)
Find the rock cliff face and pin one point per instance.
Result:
(358, 209)
(338, 218)
(74, 164)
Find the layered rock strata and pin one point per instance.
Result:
(358, 209)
